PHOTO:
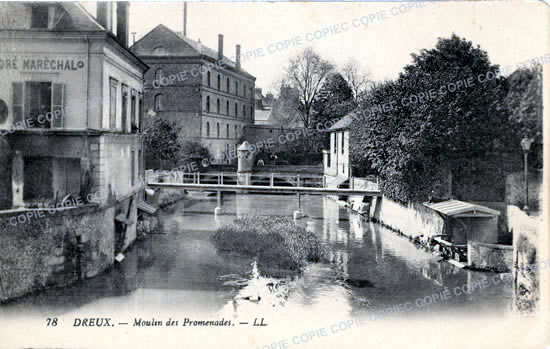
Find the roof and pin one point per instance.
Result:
(187, 48)
(262, 115)
(343, 123)
(461, 209)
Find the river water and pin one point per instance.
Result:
(370, 269)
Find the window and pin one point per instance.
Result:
(251, 113)
(208, 81)
(159, 102)
(39, 16)
(218, 130)
(219, 82)
(227, 131)
(227, 85)
(334, 142)
(207, 129)
(132, 167)
(342, 142)
(158, 75)
(133, 109)
(244, 90)
(112, 103)
(227, 107)
(140, 164)
(208, 104)
(236, 110)
(236, 131)
(124, 112)
(218, 106)
(36, 101)
(237, 88)
(140, 111)
(244, 111)
(159, 50)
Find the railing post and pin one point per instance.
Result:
(324, 181)
(221, 178)
(297, 180)
(198, 178)
(271, 182)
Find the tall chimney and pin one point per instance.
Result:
(185, 18)
(105, 14)
(122, 22)
(220, 47)
(238, 57)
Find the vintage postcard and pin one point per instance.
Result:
(272, 175)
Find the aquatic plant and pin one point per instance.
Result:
(274, 241)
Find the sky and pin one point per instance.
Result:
(380, 36)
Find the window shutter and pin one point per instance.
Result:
(17, 106)
(58, 92)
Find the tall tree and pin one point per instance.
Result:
(411, 144)
(334, 100)
(357, 79)
(306, 72)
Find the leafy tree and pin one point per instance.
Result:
(413, 145)
(524, 104)
(161, 142)
(334, 100)
(287, 108)
(306, 72)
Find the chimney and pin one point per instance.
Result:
(105, 14)
(238, 57)
(220, 47)
(122, 22)
(199, 46)
(185, 18)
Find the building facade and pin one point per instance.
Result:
(209, 96)
(73, 93)
(336, 161)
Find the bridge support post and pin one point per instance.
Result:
(219, 210)
(298, 213)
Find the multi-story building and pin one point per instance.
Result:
(205, 93)
(72, 95)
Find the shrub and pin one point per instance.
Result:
(274, 241)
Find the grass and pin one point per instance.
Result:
(274, 241)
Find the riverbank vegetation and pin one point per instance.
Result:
(274, 241)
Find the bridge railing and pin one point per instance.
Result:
(258, 179)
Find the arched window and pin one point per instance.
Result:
(218, 130)
(236, 110)
(218, 106)
(207, 129)
(219, 82)
(208, 104)
(159, 50)
(227, 107)
(159, 73)
(159, 102)
(208, 79)
(227, 131)
(227, 85)
(244, 111)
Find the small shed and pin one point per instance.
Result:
(468, 221)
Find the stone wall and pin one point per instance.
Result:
(515, 189)
(526, 239)
(413, 220)
(490, 256)
(56, 249)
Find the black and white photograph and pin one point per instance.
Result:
(273, 175)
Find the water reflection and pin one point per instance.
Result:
(368, 268)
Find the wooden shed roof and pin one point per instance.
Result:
(458, 209)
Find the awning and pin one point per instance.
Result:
(147, 208)
(458, 209)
